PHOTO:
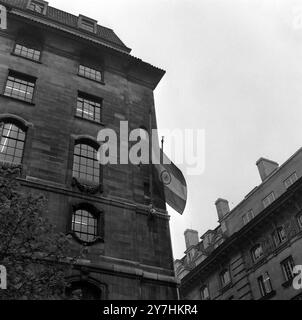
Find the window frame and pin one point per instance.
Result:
(41, 3)
(94, 147)
(267, 197)
(299, 219)
(288, 262)
(87, 20)
(262, 284)
(253, 252)
(202, 296)
(277, 235)
(21, 77)
(28, 47)
(248, 216)
(91, 99)
(94, 69)
(21, 129)
(294, 174)
(221, 276)
(98, 214)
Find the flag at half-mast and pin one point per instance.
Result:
(175, 186)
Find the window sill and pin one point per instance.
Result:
(226, 287)
(28, 59)
(99, 82)
(287, 283)
(16, 99)
(85, 243)
(91, 121)
(268, 296)
(87, 186)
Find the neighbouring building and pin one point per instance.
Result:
(252, 253)
(62, 79)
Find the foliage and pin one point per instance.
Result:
(34, 254)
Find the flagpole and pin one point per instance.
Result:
(150, 159)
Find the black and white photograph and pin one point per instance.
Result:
(150, 154)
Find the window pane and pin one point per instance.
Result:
(11, 143)
(19, 88)
(27, 52)
(89, 109)
(84, 225)
(90, 73)
(86, 165)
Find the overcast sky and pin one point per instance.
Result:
(234, 69)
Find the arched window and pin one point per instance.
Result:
(257, 252)
(225, 277)
(85, 163)
(81, 290)
(84, 225)
(12, 140)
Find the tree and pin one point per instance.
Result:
(34, 254)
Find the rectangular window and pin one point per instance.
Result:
(279, 235)
(90, 73)
(37, 6)
(225, 277)
(20, 86)
(290, 180)
(265, 285)
(27, 52)
(87, 25)
(268, 200)
(300, 220)
(89, 108)
(287, 267)
(248, 217)
(204, 293)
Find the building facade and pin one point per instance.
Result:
(63, 78)
(252, 253)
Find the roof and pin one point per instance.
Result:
(70, 20)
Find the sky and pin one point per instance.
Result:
(233, 69)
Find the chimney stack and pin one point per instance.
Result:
(222, 207)
(191, 237)
(266, 167)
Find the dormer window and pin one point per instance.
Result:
(87, 24)
(38, 6)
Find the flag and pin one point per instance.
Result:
(175, 186)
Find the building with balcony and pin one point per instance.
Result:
(252, 252)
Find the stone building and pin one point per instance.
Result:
(252, 252)
(63, 78)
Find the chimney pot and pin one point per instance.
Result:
(266, 167)
(222, 207)
(191, 238)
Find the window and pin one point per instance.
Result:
(11, 143)
(268, 200)
(204, 293)
(90, 73)
(89, 108)
(225, 277)
(300, 220)
(81, 290)
(257, 252)
(27, 52)
(279, 235)
(88, 25)
(37, 6)
(248, 217)
(85, 163)
(84, 225)
(20, 86)
(265, 285)
(290, 180)
(287, 267)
